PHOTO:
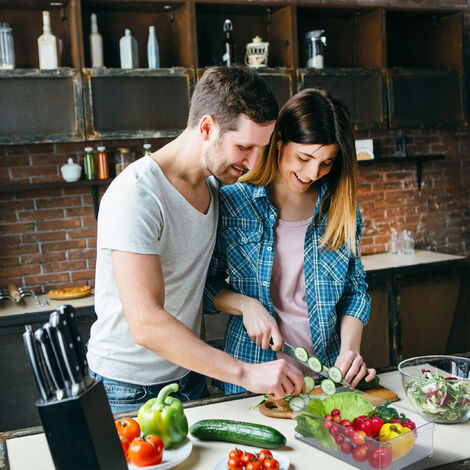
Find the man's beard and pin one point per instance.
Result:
(217, 165)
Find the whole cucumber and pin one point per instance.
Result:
(363, 385)
(239, 432)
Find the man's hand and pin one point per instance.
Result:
(275, 379)
(353, 367)
(260, 325)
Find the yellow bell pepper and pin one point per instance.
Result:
(399, 437)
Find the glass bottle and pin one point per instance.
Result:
(147, 149)
(96, 43)
(47, 45)
(152, 49)
(103, 167)
(124, 157)
(89, 164)
(7, 50)
(128, 51)
(227, 57)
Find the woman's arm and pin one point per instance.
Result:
(259, 324)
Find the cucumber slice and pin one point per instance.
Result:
(309, 384)
(328, 387)
(315, 364)
(301, 354)
(306, 398)
(296, 403)
(335, 374)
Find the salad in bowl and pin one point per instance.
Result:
(438, 387)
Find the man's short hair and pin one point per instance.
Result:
(226, 92)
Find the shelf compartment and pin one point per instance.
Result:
(273, 23)
(41, 106)
(424, 39)
(25, 19)
(355, 37)
(425, 97)
(172, 21)
(137, 103)
(363, 91)
(282, 82)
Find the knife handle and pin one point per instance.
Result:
(68, 312)
(32, 352)
(51, 333)
(67, 349)
(50, 361)
(14, 292)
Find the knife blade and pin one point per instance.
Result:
(68, 312)
(34, 359)
(50, 362)
(67, 349)
(290, 351)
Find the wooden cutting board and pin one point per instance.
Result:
(280, 408)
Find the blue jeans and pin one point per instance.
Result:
(124, 397)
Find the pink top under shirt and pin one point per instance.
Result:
(288, 286)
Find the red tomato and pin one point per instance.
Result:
(236, 453)
(359, 453)
(335, 412)
(327, 423)
(380, 457)
(157, 443)
(142, 453)
(345, 422)
(256, 465)
(336, 419)
(128, 428)
(339, 439)
(248, 457)
(328, 417)
(263, 454)
(234, 463)
(270, 464)
(347, 430)
(125, 445)
(334, 430)
(357, 437)
(346, 447)
(357, 421)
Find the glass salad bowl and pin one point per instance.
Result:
(438, 387)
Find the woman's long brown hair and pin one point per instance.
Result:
(314, 116)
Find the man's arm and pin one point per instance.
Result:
(140, 283)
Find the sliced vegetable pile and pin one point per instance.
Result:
(263, 460)
(353, 426)
(440, 398)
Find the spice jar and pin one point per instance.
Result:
(123, 158)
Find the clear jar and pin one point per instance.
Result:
(122, 159)
(7, 50)
(314, 48)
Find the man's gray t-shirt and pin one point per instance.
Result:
(142, 212)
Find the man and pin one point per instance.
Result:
(156, 233)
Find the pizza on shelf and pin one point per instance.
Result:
(69, 292)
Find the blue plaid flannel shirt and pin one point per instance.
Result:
(334, 280)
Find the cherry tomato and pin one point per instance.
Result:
(327, 423)
(328, 417)
(359, 453)
(339, 439)
(125, 445)
(247, 457)
(347, 431)
(335, 412)
(270, 464)
(380, 457)
(334, 430)
(357, 437)
(234, 463)
(336, 419)
(263, 454)
(345, 422)
(128, 428)
(142, 453)
(236, 453)
(346, 447)
(157, 443)
(256, 465)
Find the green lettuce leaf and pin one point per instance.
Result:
(350, 404)
(310, 425)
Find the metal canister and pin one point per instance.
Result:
(314, 48)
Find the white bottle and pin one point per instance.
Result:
(96, 44)
(152, 49)
(128, 50)
(47, 45)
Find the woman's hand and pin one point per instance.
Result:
(353, 367)
(260, 325)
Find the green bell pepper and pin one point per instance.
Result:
(386, 413)
(164, 416)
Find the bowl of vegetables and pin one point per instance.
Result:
(438, 387)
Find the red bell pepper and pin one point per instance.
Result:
(372, 426)
(358, 421)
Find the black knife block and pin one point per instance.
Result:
(81, 433)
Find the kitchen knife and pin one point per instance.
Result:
(68, 312)
(67, 349)
(290, 351)
(14, 292)
(34, 359)
(50, 362)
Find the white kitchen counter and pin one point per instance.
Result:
(450, 441)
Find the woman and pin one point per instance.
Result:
(288, 237)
